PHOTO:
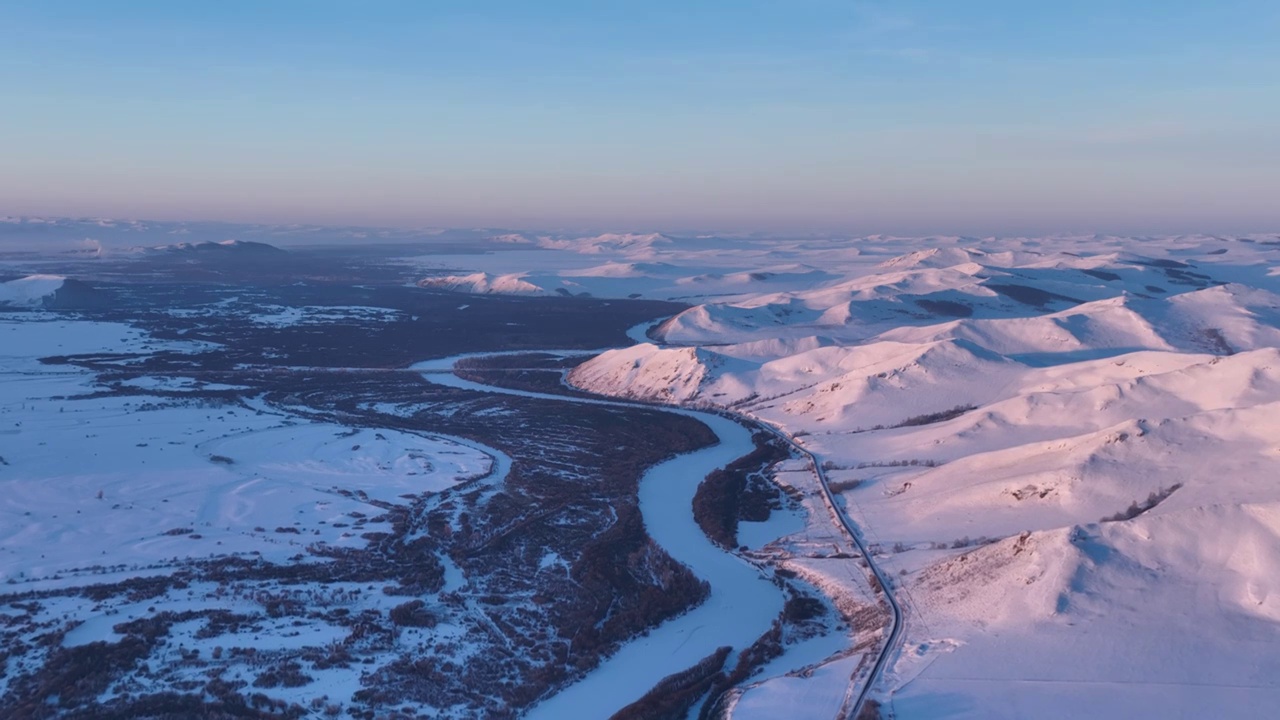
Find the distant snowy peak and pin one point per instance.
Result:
(933, 258)
(483, 284)
(624, 240)
(629, 243)
(945, 257)
(759, 278)
(225, 248)
(625, 270)
(511, 239)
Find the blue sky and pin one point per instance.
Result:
(980, 116)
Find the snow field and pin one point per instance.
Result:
(142, 480)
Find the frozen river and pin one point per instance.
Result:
(742, 605)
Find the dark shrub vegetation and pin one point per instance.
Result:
(672, 698)
(739, 491)
(1136, 508)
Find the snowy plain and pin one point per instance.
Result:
(103, 487)
(144, 480)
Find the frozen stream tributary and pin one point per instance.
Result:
(742, 605)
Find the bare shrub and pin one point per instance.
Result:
(1135, 508)
(840, 486)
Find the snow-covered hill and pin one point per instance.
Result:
(481, 283)
(32, 291)
(225, 249)
(51, 292)
(1064, 448)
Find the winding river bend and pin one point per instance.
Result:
(742, 605)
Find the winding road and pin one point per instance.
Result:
(895, 609)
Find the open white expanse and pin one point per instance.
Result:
(141, 479)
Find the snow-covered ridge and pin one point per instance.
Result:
(628, 242)
(483, 283)
(32, 291)
(224, 248)
(1064, 448)
(124, 236)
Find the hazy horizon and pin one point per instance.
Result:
(61, 233)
